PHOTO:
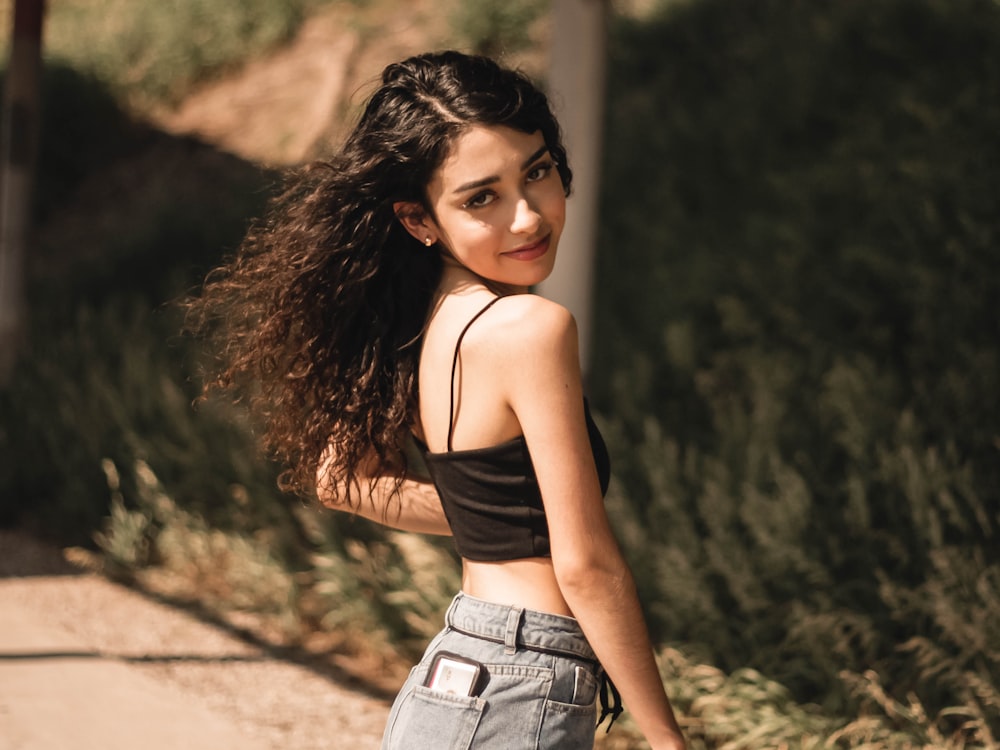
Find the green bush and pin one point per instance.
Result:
(799, 347)
(132, 220)
(495, 27)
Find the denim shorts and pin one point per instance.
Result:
(539, 690)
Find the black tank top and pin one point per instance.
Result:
(490, 495)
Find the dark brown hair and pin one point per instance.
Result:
(317, 320)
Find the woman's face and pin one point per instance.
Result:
(498, 206)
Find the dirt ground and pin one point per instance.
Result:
(290, 106)
(274, 696)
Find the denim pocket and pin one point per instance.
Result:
(571, 725)
(584, 687)
(566, 725)
(432, 719)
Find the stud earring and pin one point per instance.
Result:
(428, 241)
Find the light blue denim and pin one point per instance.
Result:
(532, 700)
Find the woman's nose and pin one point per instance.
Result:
(526, 218)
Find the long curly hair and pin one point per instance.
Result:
(317, 321)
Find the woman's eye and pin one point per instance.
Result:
(479, 200)
(539, 171)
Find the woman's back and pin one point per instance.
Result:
(482, 420)
(480, 414)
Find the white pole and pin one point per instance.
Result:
(576, 87)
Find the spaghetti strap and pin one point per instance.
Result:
(454, 364)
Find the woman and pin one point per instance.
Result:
(383, 307)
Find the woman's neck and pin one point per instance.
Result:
(457, 279)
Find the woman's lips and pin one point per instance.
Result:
(532, 251)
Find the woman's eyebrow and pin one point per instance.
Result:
(534, 157)
(495, 178)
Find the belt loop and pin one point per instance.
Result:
(513, 625)
(449, 616)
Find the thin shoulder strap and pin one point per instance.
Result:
(454, 364)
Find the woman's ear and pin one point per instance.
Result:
(415, 220)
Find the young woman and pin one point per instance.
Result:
(383, 309)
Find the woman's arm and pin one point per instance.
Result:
(545, 391)
(417, 507)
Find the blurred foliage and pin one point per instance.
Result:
(83, 129)
(131, 219)
(496, 27)
(799, 341)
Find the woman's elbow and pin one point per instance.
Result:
(326, 493)
(589, 572)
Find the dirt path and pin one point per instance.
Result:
(222, 679)
(288, 107)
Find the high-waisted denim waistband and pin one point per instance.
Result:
(519, 628)
(516, 627)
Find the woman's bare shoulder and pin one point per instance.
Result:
(524, 323)
(528, 339)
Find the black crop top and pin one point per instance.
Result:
(490, 495)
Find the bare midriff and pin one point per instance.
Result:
(529, 583)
